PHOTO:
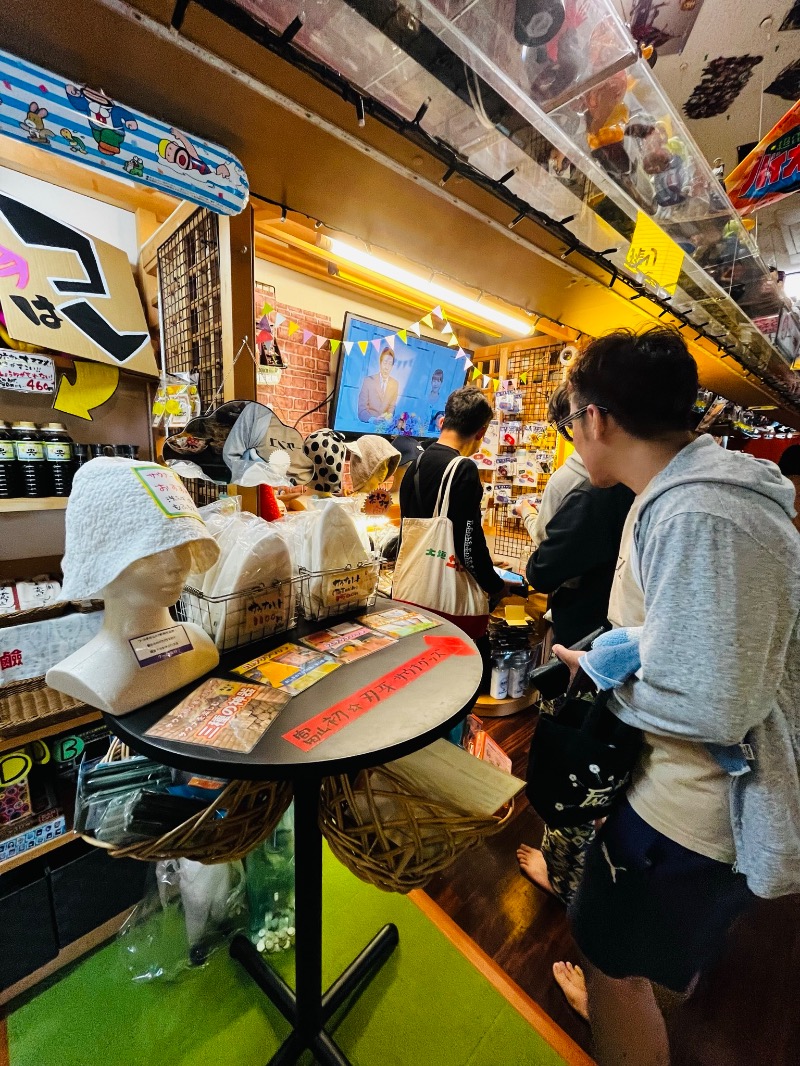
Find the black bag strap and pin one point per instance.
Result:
(417, 492)
(596, 708)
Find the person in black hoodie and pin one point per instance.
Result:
(575, 565)
(575, 562)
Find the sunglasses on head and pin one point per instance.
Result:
(564, 425)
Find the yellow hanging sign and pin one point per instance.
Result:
(94, 384)
(654, 255)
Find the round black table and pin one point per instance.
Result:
(386, 705)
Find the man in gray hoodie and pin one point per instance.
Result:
(718, 561)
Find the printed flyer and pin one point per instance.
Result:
(398, 622)
(222, 714)
(289, 667)
(348, 642)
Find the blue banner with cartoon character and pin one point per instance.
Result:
(80, 122)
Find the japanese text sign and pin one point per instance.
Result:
(62, 289)
(26, 372)
(654, 255)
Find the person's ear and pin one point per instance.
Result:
(596, 423)
(481, 434)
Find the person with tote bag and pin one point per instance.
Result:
(444, 563)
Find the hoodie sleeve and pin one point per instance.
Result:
(709, 600)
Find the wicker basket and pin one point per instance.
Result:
(392, 838)
(53, 610)
(28, 705)
(252, 810)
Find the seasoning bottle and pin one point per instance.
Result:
(8, 464)
(32, 469)
(498, 686)
(58, 452)
(81, 453)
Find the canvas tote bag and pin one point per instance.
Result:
(428, 573)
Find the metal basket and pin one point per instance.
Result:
(239, 618)
(327, 593)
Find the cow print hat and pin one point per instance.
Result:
(327, 452)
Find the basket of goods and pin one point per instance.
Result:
(395, 826)
(136, 808)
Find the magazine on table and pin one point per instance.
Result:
(289, 667)
(348, 641)
(222, 714)
(399, 622)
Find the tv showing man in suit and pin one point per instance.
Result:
(377, 397)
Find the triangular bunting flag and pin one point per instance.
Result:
(321, 342)
(265, 310)
(523, 378)
(263, 336)
(460, 352)
(452, 341)
(437, 312)
(476, 373)
(495, 383)
(348, 347)
(390, 341)
(307, 335)
(335, 346)
(414, 327)
(264, 322)
(363, 346)
(447, 328)
(426, 321)
(293, 328)
(486, 380)
(468, 363)
(376, 343)
(403, 335)
(279, 319)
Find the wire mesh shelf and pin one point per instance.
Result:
(241, 617)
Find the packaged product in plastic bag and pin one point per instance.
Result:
(270, 888)
(188, 911)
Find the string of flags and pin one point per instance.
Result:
(271, 320)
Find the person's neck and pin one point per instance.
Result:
(644, 459)
(450, 439)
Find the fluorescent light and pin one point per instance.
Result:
(510, 323)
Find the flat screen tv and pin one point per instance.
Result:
(393, 392)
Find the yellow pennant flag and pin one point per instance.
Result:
(293, 328)
(427, 321)
(452, 341)
(523, 378)
(403, 335)
(363, 346)
(335, 346)
(476, 373)
(265, 310)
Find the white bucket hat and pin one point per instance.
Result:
(121, 510)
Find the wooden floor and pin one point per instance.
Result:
(745, 1012)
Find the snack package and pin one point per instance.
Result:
(502, 493)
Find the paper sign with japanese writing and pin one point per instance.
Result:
(26, 372)
(654, 255)
(62, 289)
(169, 495)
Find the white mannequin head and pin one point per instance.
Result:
(154, 581)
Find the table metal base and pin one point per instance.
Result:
(307, 1009)
(350, 984)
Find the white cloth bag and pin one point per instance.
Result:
(428, 572)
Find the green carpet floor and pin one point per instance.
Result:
(428, 1006)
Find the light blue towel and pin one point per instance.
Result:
(615, 657)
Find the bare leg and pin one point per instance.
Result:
(572, 983)
(627, 1026)
(533, 867)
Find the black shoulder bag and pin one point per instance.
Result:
(580, 762)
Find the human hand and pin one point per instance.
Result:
(523, 509)
(571, 658)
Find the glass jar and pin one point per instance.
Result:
(270, 888)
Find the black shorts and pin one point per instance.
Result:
(648, 907)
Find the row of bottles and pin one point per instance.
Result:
(37, 461)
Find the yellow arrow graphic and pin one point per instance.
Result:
(94, 384)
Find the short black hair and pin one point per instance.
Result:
(467, 410)
(646, 380)
(789, 462)
(558, 405)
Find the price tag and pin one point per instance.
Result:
(153, 648)
(26, 372)
(167, 491)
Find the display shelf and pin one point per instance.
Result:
(40, 503)
(36, 853)
(488, 707)
(10, 743)
(71, 953)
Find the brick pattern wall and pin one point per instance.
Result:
(304, 382)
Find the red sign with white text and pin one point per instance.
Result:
(324, 725)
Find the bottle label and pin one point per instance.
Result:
(29, 450)
(7, 449)
(58, 451)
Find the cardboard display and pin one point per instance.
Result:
(61, 289)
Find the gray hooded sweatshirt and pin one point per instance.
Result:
(719, 562)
